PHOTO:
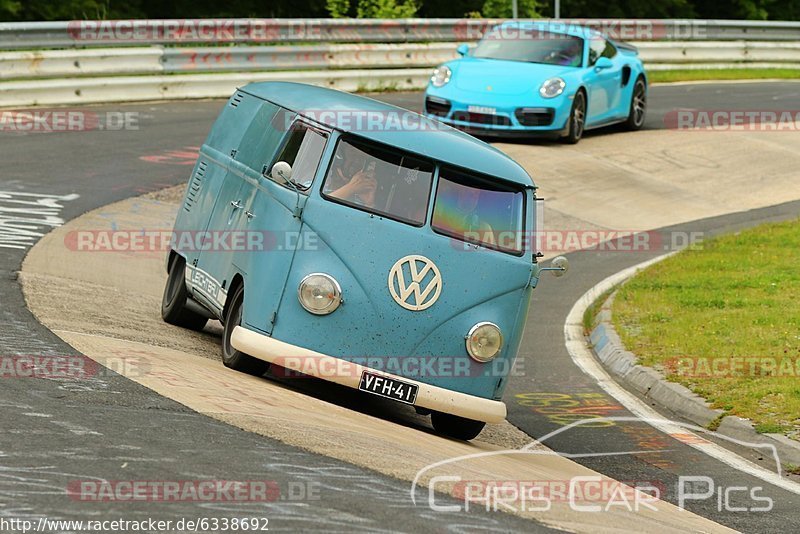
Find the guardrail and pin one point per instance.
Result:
(155, 71)
(17, 35)
(185, 60)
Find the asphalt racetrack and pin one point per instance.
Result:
(57, 433)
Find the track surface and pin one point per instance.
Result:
(47, 425)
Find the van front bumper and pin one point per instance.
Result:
(431, 397)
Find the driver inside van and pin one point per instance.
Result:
(352, 176)
(473, 224)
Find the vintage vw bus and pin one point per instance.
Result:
(358, 242)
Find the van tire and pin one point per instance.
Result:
(236, 360)
(456, 427)
(173, 303)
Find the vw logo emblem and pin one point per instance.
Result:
(415, 282)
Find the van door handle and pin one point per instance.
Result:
(250, 214)
(237, 204)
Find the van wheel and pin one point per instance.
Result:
(577, 119)
(173, 303)
(231, 357)
(456, 427)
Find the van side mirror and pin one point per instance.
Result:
(603, 63)
(462, 50)
(559, 266)
(281, 172)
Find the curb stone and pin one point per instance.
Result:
(652, 384)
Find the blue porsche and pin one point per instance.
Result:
(527, 79)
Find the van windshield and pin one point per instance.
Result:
(380, 181)
(479, 211)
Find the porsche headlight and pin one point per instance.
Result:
(441, 75)
(319, 294)
(484, 342)
(552, 88)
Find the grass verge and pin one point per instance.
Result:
(724, 320)
(690, 75)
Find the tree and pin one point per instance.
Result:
(373, 9)
(624, 9)
(338, 9)
(386, 9)
(501, 9)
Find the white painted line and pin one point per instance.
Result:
(582, 356)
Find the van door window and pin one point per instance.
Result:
(380, 180)
(303, 151)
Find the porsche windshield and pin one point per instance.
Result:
(532, 47)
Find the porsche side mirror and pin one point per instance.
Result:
(462, 50)
(603, 63)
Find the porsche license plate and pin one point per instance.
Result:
(388, 387)
(482, 109)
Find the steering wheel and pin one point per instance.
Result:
(563, 55)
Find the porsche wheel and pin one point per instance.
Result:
(638, 109)
(577, 119)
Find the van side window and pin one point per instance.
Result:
(303, 151)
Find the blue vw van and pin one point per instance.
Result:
(344, 238)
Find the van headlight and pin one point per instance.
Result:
(552, 87)
(484, 342)
(319, 294)
(441, 75)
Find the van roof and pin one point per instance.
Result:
(395, 127)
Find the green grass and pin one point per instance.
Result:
(688, 75)
(592, 311)
(737, 296)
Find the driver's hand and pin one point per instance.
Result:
(363, 183)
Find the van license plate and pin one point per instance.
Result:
(388, 387)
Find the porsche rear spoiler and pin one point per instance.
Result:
(626, 47)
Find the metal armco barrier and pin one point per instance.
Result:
(115, 61)
(17, 94)
(161, 60)
(31, 35)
